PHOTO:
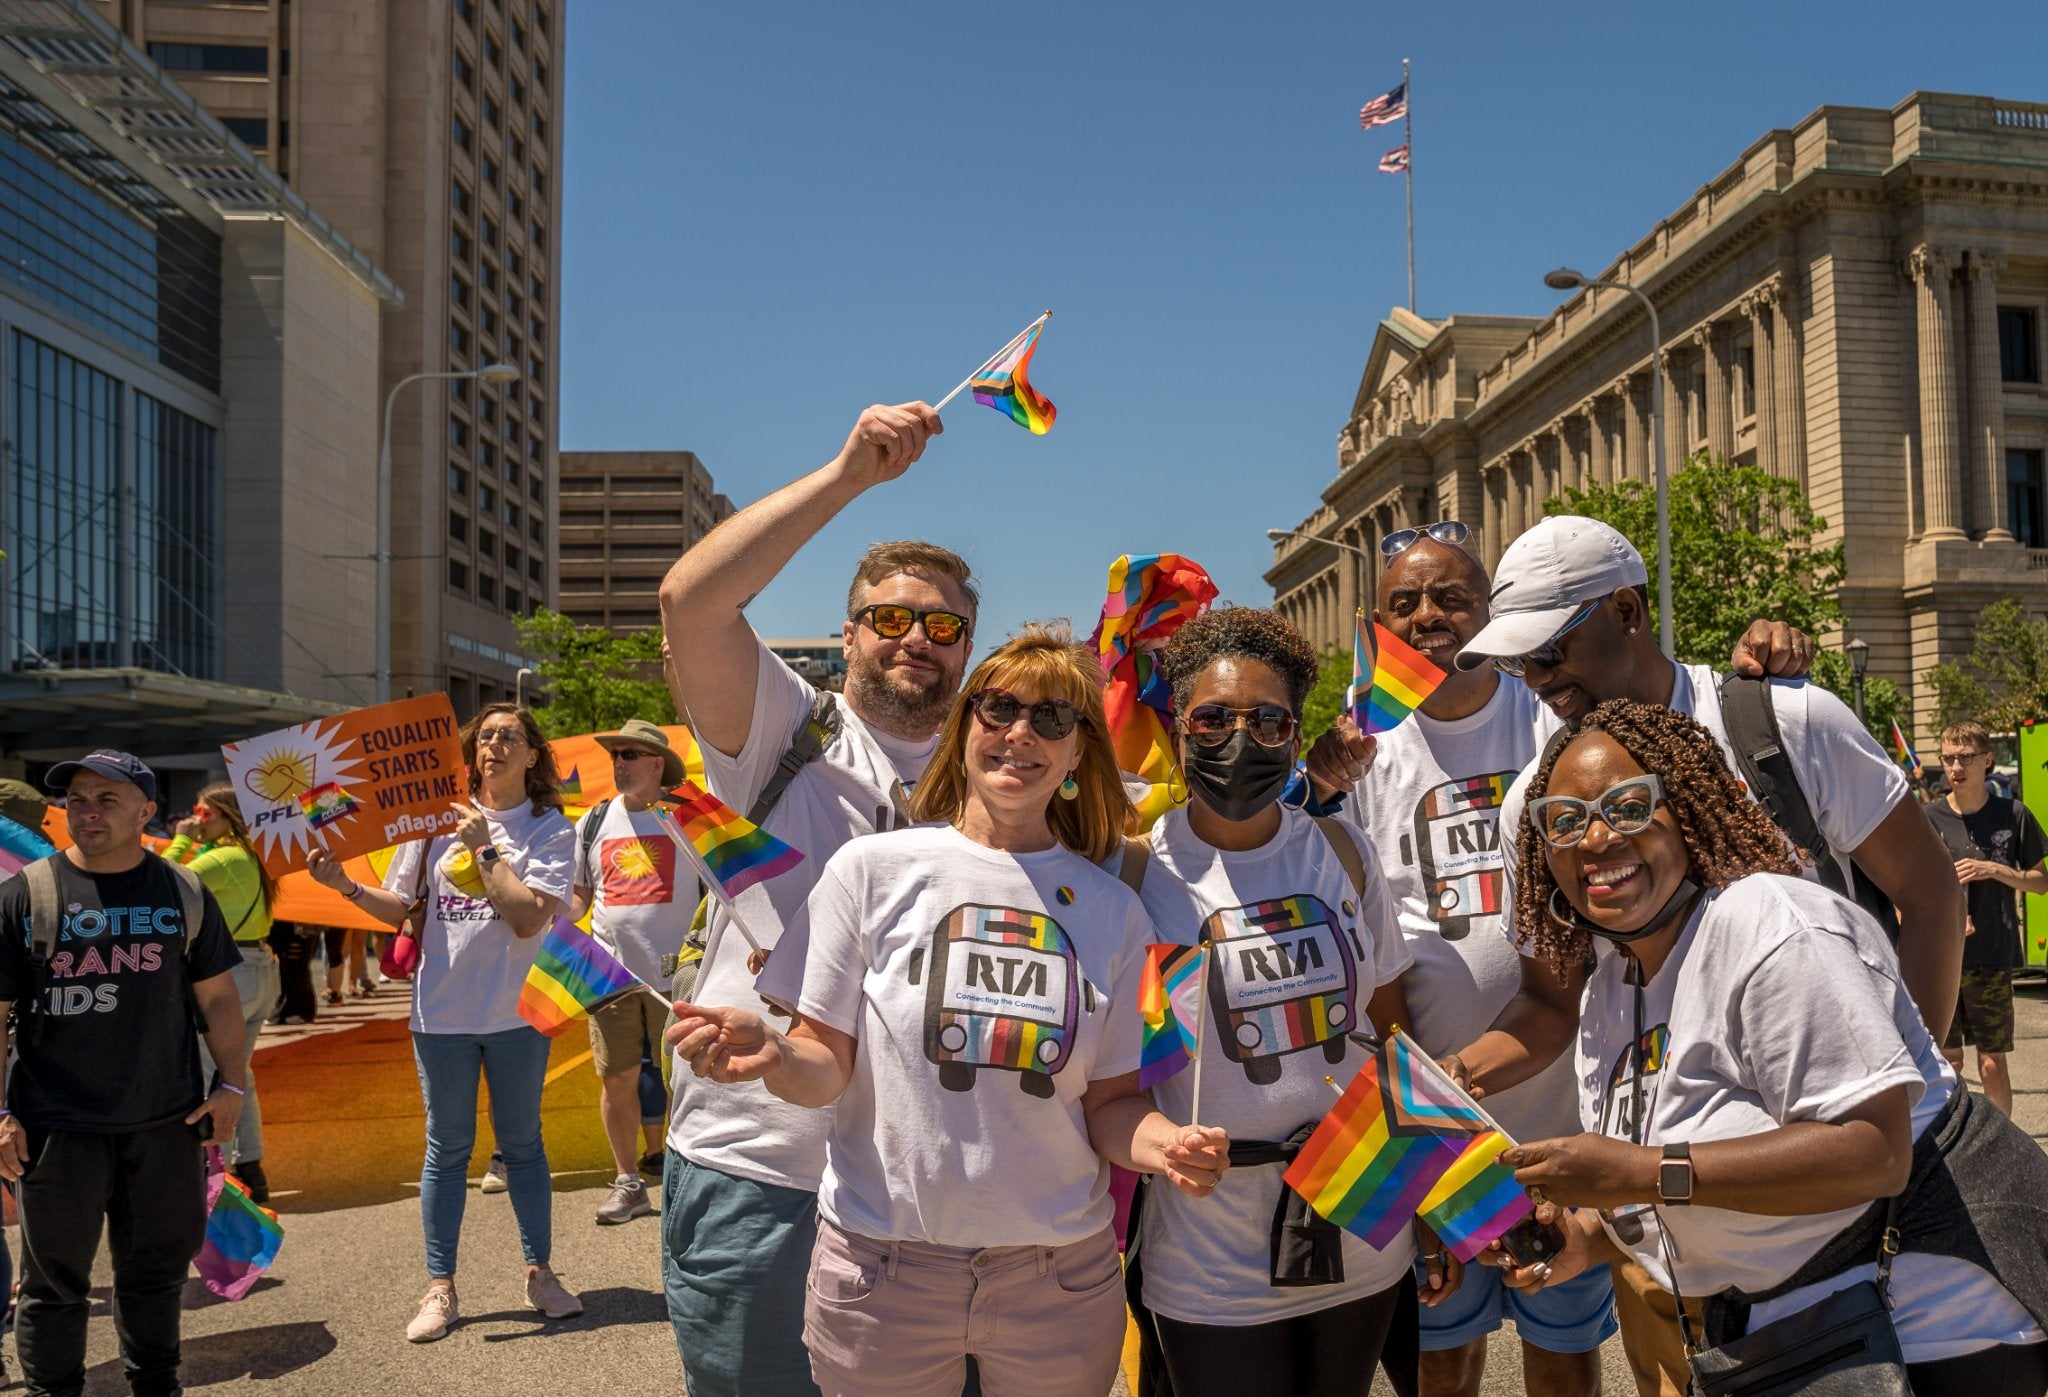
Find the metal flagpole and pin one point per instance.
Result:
(1408, 172)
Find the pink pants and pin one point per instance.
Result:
(898, 1319)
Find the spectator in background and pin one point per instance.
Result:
(294, 945)
(346, 963)
(1998, 848)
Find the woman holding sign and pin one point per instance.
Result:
(968, 996)
(1757, 1088)
(1245, 1294)
(479, 897)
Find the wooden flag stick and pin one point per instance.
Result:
(991, 359)
(675, 833)
(1201, 1013)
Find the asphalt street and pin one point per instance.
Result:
(344, 1134)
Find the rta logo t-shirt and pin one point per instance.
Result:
(109, 1043)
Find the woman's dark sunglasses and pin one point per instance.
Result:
(1211, 724)
(1626, 807)
(997, 709)
(894, 622)
(1443, 531)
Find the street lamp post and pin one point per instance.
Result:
(1277, 534)
(489, 373)
(1859, 662)
(1565, 279)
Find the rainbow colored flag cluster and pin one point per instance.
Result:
(1151, 595)
(572, 976)
(20, 846)
(1170, 1002)
(323, 805)
(242, 1236)
(1403, 1141)
(1001, 384)
(736, 852)
(1402, 680)
(1906, 752)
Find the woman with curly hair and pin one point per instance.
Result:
(487, 889)
(1755, 1083)
(1304, 949)
(966, 993)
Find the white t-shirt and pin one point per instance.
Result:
(1296, 955)
(1429, 805)
(1850, 784)
(986, 991)
(643, 890)
(844, 792)
(472, 963)
(1781, 1002)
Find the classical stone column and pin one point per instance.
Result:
(1719, 362)
(1941, 480)
(1677, 429)
(1518, 497)
(1599, 448)
(1757, 306)
(1490, 516)
(1572, 450)
(1987, 402)
(1347, 576)
(1788, 379)
(1635, 422)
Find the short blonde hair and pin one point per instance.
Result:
(1041, 659)
(919, 559)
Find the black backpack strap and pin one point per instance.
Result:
(45, 909)
(1751, 721)
(812, 736)
(591, 821)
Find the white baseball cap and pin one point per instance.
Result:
(1546, 575)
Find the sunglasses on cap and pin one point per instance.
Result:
(1626, 806)
(997, 709)
(1443, 531)
(1549, 654)
(1211, 724)
(894, 622)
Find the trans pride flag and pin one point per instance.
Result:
(1002, 385)
(1170, 1002)
(20, 846)
(1151, 595)
(1403, 1140)
(1402, 680)
(571, 978)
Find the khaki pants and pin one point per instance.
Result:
(1650, 1336)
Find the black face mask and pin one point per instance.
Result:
(1238, 778)
(1673, 905)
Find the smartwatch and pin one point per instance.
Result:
(487, 855)
(1674, 1175)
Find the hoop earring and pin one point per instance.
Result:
(1175, 780)
(1068, 790)
(1568, 919)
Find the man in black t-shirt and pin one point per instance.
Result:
(1998, 847)
(106, 1107)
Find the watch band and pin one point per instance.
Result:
(487, 855)
(1674, 1174)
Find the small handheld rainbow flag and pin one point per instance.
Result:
(1405, 1139)
(1358, 698)
(242, 1236)
(736, 852)
(323, 805)
(1001, 383)
(572, 789)
(1170, 1001)
(1906, 752)
(1402, 681)
(572, 977)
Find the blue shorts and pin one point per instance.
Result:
(1576, 1317)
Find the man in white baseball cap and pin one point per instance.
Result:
(1548, 582)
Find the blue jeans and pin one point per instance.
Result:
(516, 1064)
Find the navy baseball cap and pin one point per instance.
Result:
(115, 766)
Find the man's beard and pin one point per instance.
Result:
(898, 699)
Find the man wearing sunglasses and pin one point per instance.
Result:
(739, 1208)
(1428, 795)
(1570, 617)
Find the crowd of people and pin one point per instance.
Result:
(1687, 934)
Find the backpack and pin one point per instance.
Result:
(46, 916)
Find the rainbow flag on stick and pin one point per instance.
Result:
(1002, 383)
(1906, 752)
(1402, 680)
(1170, 1001)
(1150, 596)
(1405, 1139)
(572, 977)
(737, 853)
(242, 1236)
(1358, 698)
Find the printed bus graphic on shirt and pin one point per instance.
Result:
(1457, 835)
(1004, 991)
(1285, 979)
(1618, 1108)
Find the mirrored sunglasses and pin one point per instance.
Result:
(997, 709)
(1443, 531)
(894, 622)
(1211, 724)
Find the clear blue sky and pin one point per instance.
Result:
(779, 213)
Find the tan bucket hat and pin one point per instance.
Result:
(642, 733)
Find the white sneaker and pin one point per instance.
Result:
(547, 1294)
(437, 1312)
(628, 1201)
(494, 1180)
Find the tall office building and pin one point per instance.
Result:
(625, 516)
(430, 132)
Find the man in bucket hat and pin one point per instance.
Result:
(640, 893)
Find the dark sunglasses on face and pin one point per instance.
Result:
(997, 709)
(894, 622)
(1626, 807)
(1443, 531)
(1211, 724)
(1549, 654)
(633, 754)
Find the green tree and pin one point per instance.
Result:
(594, 680)
(2004, 682)
(1744, 544)
(1326, 700)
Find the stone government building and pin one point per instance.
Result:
(1857, 303)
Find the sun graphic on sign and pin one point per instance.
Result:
(633, 860)
(279, 769)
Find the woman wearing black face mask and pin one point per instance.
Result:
(1304, 950)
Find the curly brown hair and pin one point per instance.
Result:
(1726, 834)
(1239, 632)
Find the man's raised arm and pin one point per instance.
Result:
(716, 657)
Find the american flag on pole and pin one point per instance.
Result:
(1394, 161)
(1385, 108)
